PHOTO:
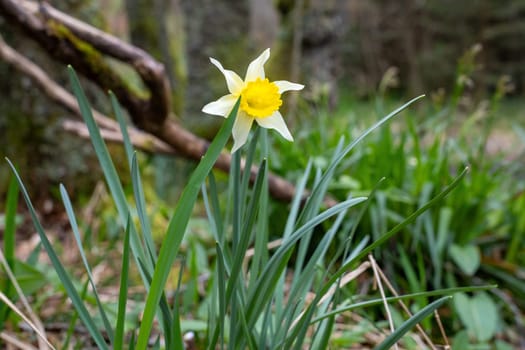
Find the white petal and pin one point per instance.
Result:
(234, 82)
(256, 67)
(222, 106)
(241, 130)
(285, 85)
(276, 122)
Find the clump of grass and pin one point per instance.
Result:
(471, 237)
(255, 298)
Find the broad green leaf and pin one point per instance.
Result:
(461, 341)
(478, 314)
(28, 277)
(502, 345)
(466, 257)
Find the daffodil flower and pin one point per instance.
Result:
(260, 100)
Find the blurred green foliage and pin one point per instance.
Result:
(474, 235)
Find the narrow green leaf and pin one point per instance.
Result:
(123, 127)
(341, 155)
(76, 233)
(123, 293)
(277, 263)
(163, 311)
(279, 294)
(177, 227)
(323, 334)
(479, 315)
(138, 192)
(62, 274)
(249, 160)
(393, 231)
(236, 290)
(303, 284)
(110, 173)
(132, 341)
(140, 201)
(297, 201)
(320, 186)
(221, 286)
(246, 231)
(237, 196)
(11, 206)
(73, 320)
(513, 282)
(10, 221)
(410, 323)
(379, 301)
(213, 210)
(260, 256)
(177, 341)
(266, 328)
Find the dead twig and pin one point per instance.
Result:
(383, 296)
(109, 127)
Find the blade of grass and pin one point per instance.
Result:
(10, 221)
(11, 205)
(235, 174)
(279, 295)
(213, 209)
(313, 203)
(262, 235)
(265, 329)
(297, 200)
(164, 313)
(323, 334)
(236, 285)
(394, 230)
(76, 234)
(513, 282)
(378, 301)
(73, 319)
(249, 160)
(341, 155)
(110, 173)
(62, 274)
(140, 202)
(302, 285)
(128, 147)
(221, 283)
(123, 293)
(178, 340)
(136, 181)
(410, 323)
(177, 227)
(245, 233)
(277, 263)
